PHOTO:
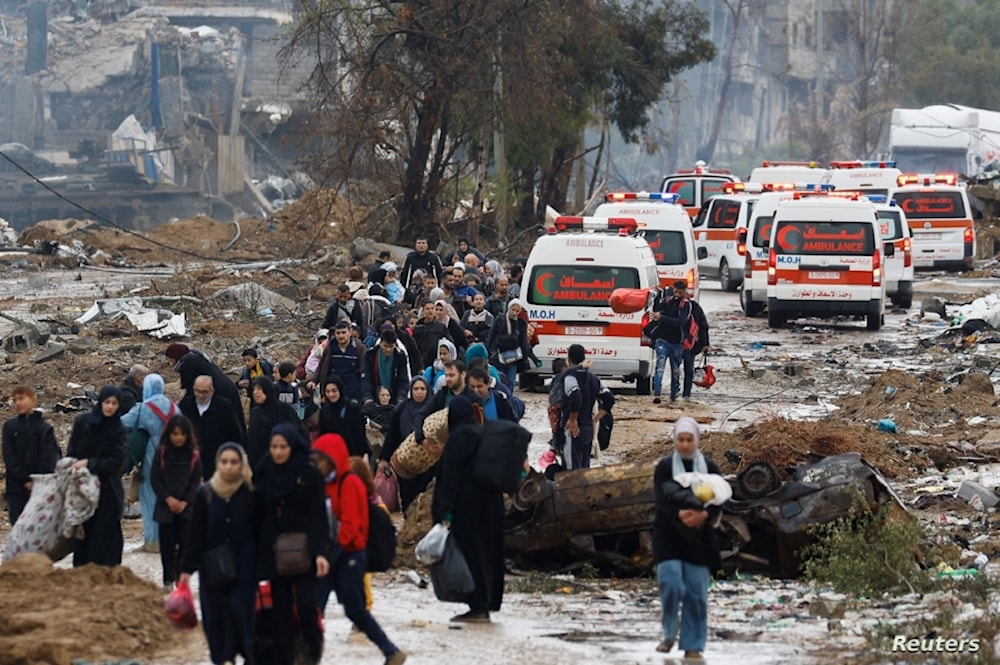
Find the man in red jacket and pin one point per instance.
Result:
(348, 504)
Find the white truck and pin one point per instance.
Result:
(944, 138)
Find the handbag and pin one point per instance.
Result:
(218, 565)
(291, 554)
(138, 440)
(509, 349)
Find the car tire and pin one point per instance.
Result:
(874, 321)
(643, 385)
(758, 480)
(725, 277)
(750, 308)
(775, 320)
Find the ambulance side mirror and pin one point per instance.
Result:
(765, 243)
(702, 253)
(889, 249)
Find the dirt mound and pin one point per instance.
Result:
(56, 616)
(784, 443)
(417, 523)
(920, 401)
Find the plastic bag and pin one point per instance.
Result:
(387, 487)
(430, 549)
(451, 576)
(628, 301)
(179, 608)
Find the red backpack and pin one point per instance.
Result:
(690, 338)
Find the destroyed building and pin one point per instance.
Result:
(144, 114)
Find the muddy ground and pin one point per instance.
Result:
(812, 387)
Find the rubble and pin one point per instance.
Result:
(158, 323)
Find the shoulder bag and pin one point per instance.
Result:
(218, 565)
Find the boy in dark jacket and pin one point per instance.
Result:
(29, 446)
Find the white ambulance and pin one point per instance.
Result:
(937, 210)
(753, 292)
(785, 171)
(720, 232)
(825, 259)
(666, 227)
(695, 186)
(568, 281)
(899, 267)
(867, 177)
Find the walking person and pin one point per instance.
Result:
(508, 344)
(192, 363)
(176, 476)
(404, 420)
(222, 516)
(267, 414)
(670, 327)
(582, 390)
(150, 415)
(98, 444)
(685, 545)
(29, 447)
(291, 501)
(213, 420)
(349, 505)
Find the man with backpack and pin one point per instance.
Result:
(676, 327)
(582, 391)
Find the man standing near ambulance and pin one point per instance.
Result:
(680, 331)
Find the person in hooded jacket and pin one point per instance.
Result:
(435, 373)
(349, 504)
(474, 515)
(150, 415)
(268, 413)
(290, 499)
(222, 513)
(478, 350)
(404, 421)
(342, 415)
(191, 363)
(176, 477)
(98, 443)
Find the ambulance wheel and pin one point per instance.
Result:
(750, 308)
(775, 320)
(642, 385)
(874, 321)
(726, 277)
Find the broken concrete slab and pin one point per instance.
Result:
(254, 297)
(158, 323)
(969, 491)
(50, 352)
(362, 248)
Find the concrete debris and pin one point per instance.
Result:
(50, 352)
(157, 323)
(254, 297)
(975, 494)
(933, 306)
(363, 248)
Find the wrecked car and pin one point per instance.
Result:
(605, 514)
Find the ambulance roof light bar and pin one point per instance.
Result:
(811, 165)
(862, 164)
(663, 197)
(624, 225)
(760, 187)
(881, 199)
(701, 169)
(846, 196)
(927, 179)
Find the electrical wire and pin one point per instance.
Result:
(102, 218)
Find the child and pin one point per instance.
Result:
(360, 468)
(284, 381)
(315, 355)
(29, 446)
(379, 413)
(176, 477)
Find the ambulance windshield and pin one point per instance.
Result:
(852, 238)
(931, 205)
(587, 286)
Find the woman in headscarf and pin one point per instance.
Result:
(268, 412)
(342, 415)
(685, 543)
(150, 415)
(222, 514)
(508, 344)
(98, 443)
(290, 499)
(404, 420)
(475, 515)
(435, 373)
(492, 271)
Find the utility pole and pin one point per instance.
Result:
(820, 66)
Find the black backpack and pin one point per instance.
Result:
(381, 537)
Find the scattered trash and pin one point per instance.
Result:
(158, 323)
(969, 491)
(887, 425)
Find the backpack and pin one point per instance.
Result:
(381, 536)
(690, 337)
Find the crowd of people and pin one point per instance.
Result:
(237, 493)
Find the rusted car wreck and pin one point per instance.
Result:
(605, 514)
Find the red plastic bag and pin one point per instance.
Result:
(179, 608)
(704, 377)
(628, 301)
(387, 487)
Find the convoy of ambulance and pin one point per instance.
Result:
(797, 239)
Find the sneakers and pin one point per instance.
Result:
(657, 400)
(398, 658)
(665, 646)
(693, 655)
(472, 617)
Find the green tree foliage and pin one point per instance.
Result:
(405, 92)
(951, 53)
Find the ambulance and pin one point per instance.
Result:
(937, 210)
(868, 177)
(825, 258)
(720, 232)
(753, 292)
(899, 267)
(695, 186)
(569, 277)
(784, 171)
(667, 230)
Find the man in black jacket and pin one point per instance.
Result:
(343, 306)
(423, 259)
(670, 329)
(192, 363)
(385, 365)
(131, 388)
(582, 391)
(29, 446)
(213, 419)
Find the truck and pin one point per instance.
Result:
(944, 138)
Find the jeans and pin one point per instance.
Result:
(686, 585)
(509, 373)
(677, 356)
(350, 569)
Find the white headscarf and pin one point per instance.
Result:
(688, 425)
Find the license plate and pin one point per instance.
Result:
(926, 236)
(824, 275)
(584, 330)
